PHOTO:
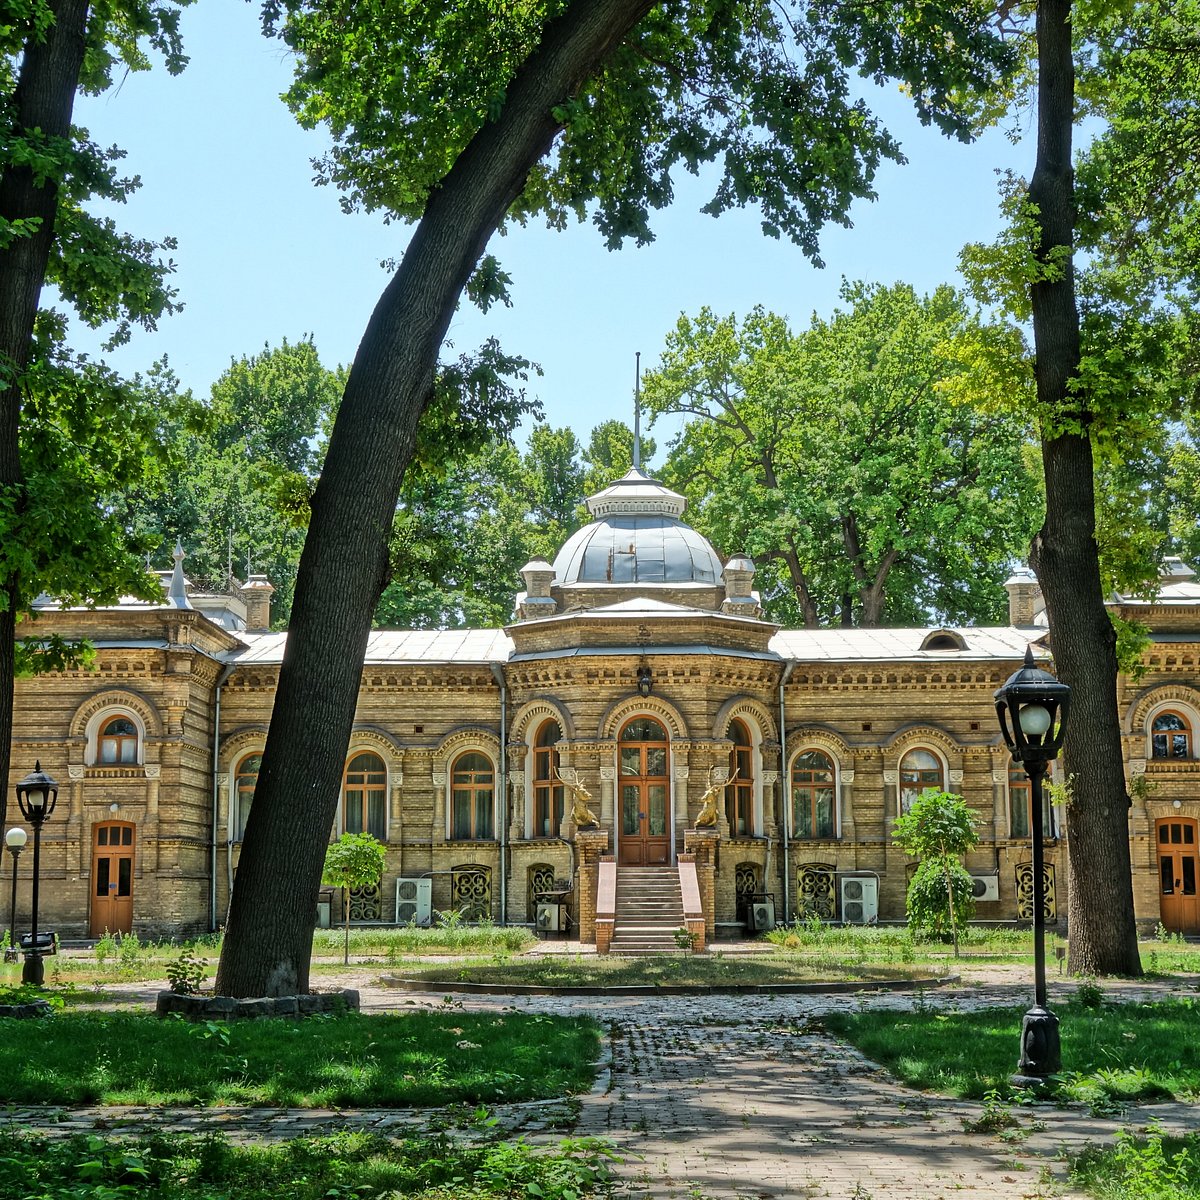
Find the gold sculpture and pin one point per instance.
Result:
(707, 816)
(581, 814)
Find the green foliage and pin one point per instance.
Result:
(763, 91)
(937, 825)
(432, 1167)
(393, 1060)
(926, 905)
(463, 533)
(833, 459)
(938, 829)
(1151, 1168)
(1123, 1051)
(187, 973)
(355, 860)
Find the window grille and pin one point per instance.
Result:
(814, 891)
(471, 892)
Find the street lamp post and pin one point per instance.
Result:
(15, 840)
(37, 795)
(1032, 710)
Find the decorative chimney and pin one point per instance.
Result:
(739, 594)
(256, 593)
(1024, 597)
(536, 601)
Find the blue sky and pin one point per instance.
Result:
(264, 254)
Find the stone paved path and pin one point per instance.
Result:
(741, 1098)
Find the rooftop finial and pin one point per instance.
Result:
(177, 593)
(637, 411)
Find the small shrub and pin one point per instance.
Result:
(186, 974)
(685, 939)
(129, 949)
(1089, 994)
(106, 948)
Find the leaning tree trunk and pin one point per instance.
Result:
(342, 570)
(43, 100)
(1103, 936)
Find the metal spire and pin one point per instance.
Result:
(637, 411)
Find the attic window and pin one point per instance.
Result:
(943, 639)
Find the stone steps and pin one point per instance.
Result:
(649, 911)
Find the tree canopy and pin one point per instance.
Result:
(834, 458)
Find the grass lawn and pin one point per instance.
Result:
(700, 970)
(346, 1165)
(403, 1060)
(1153, 1168)
(1113, 1053)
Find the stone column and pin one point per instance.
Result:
(517, 826)
(846, 801)
(396, 817)
(590, 845)
(770, 781)
(438, 831)
(701, 844)
(608, 789)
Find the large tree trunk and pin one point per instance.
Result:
(342, 571)
(44, 99)
(1103, 937)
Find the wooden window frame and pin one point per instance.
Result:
(1169, 736)
(548, 798)
(810, 788)
(357, 789)
(739, 795)
(119, 742)
(472, 788)
(921, 784)
(241, 812)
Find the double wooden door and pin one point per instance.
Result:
(112, 878)
(645, 838)
(1178, 866)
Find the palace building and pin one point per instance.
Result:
(639, 751)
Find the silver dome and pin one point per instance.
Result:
(637, 538)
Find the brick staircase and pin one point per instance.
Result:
(649, 911)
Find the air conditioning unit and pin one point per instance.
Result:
(985, 887)
(414, 901)
(762, 916)
(549, 918)
(860, 900)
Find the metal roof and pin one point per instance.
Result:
(397, 646)
(882, 645)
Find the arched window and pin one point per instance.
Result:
(472, 797)
(364, 796)
(118, 742)
(739, 795)
(245, 780)
(1170, 736)
(547, 790)
(920, 770)
(812, 795)
(1020, 805)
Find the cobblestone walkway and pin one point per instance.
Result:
(736, 1098)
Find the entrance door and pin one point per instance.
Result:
(112, 878)
(1177, 870)
(645, 788)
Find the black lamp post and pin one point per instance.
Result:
(37, 795)
(15, 840)
(1032, 709)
